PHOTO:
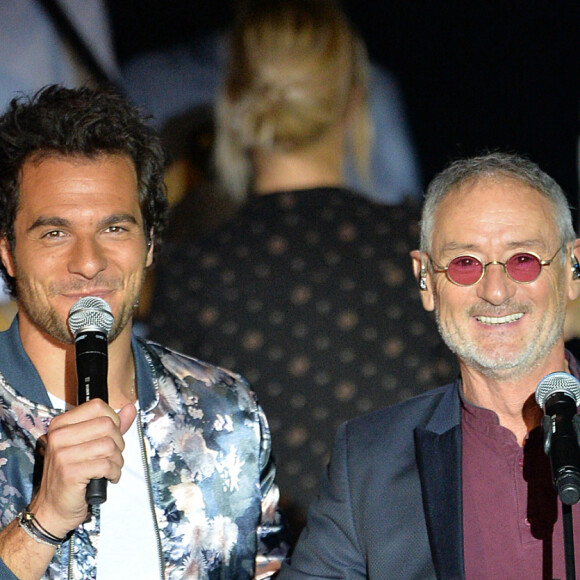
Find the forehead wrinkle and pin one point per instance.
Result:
(493, 204)
(538, 245)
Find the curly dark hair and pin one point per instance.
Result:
(85, 122)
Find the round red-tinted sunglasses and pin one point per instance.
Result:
(467, 270)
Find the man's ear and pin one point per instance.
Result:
(574, 286)
(6, 256)
(424, 280)
(150, 249)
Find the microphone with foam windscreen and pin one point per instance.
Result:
(559, 395)
(90, 320)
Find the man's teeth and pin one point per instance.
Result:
(499, 319)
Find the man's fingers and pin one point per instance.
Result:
(94, 452)
(91, 429)
(89, 410)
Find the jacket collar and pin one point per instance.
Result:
(438, 449)
(23, 377)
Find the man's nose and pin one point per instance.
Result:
(496, 286)
(87, 258)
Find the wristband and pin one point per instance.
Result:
(28, 522)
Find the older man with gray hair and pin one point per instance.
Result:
(455, 483)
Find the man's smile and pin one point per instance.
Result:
(499, 319)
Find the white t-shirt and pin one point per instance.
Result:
(127, 545)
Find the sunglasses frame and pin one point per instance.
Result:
(445, 270)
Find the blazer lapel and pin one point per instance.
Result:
(438, 450)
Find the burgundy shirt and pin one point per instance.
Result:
(512, 520)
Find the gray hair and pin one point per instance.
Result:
(489, 165)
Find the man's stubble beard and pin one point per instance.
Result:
(49, 321)
(496, 365)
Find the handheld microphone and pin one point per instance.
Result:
(559, 395)
(90, 320)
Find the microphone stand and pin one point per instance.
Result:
(568, 542)
(568, 488)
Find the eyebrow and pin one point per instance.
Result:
(55, 221)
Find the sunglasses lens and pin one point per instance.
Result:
(465, 270)
(524, 267)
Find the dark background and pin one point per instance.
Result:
(475, 75)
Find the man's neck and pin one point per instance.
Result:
(511, 398)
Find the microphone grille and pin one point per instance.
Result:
(558, 382)
(90, 314)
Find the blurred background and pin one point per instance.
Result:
(473, 75)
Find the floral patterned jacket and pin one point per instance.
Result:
(211, 477)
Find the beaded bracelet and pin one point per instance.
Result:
(28, 522)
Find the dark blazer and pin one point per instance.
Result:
(390, 502)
